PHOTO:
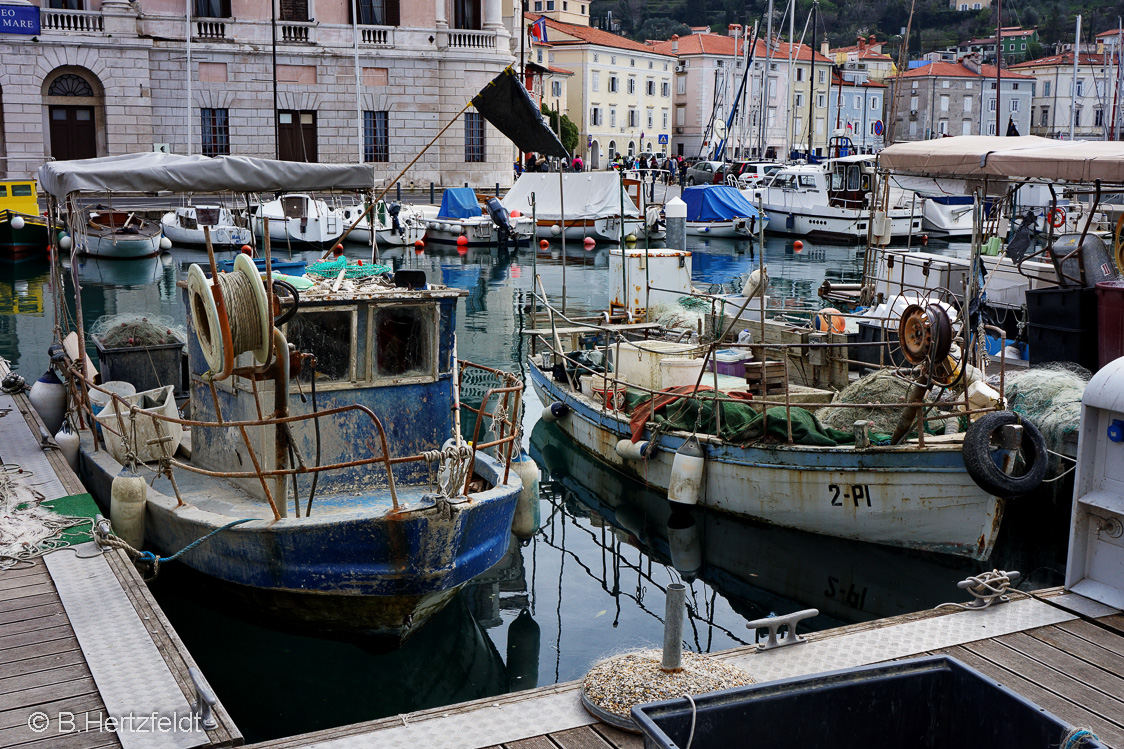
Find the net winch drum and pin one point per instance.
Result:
(246, 310)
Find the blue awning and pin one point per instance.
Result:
(459, 202)
(717, 203)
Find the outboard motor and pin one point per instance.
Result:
(392, 210)
(501, 218)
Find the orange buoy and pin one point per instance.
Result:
(516, 214)
(247, 250)
(337, 250)
(462, 240)
(798, 246)
(543, 244)
(829, 320)
(419, 246)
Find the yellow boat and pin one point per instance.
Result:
(23, 231)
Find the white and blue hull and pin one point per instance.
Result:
(896, 496)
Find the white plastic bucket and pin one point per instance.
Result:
(679, 372)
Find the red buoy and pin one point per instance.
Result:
(589, 243)
(247, 250)
(798, 246)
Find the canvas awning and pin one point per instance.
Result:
(588, 195)
(1026, 157)
(156, 172)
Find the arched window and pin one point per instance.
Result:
(631, 149)
(70, 84)
(612, 149)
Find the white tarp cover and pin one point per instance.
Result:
(1025, 157)
(155, 172)
(588, 195)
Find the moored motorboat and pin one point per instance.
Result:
(395, 223)
(594, 205)
(298, 219)
(184, 226)
(23, 231)
(120, 234)
(720, 211)
(461, 216)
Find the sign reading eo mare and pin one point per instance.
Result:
(19, 19)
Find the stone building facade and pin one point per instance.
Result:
(114, 78)
(1081, 108)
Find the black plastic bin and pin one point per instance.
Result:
(876, 355)
(1062, 326)
(144, 367)
(923, 703)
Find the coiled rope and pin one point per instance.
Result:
(986, 588)
(1078, 736)
(242, 310)
(454, 460)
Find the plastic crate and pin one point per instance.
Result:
(923, 703)
(1062, 308)
(876, 355)
(288, 267)
(143, 367)
(1046, 344)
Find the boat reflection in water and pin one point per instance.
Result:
(759, 568)
(259, 670)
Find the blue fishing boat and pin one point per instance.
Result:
(325, 477)
(462, 222)
(720, 211)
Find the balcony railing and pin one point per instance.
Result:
(83, 21)
(294, 32)
(462, 39)
(376, 36)
(210, 29)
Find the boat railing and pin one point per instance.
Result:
(801, 352)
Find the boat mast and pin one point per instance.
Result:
(276, 114)
(187, 36)
(358, 86)
(1073, 86)
(788, 140)
(812, 77)
(998, 66)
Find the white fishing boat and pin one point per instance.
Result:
(395, 223)
(595, 204)
(120, 234)
(184, 226)
(831, 200)
(947, 216)
(461, 221)
(299, 219)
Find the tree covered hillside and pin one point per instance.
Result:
(935, 25)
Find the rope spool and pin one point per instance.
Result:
(247, 310)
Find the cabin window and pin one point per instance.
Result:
(404, 341)
(3, 191)
(853, 178)
(808, 181)
(329, 336)
(21, 191)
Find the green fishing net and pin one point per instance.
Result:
(332, 268)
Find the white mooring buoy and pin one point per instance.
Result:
(685, 486)
(67, 440)
(48, 398)
(528, 514)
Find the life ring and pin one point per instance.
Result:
(1056, 217)
(981, 466)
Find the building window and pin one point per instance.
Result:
(991, 105)
(70, 84)
(944, 84)
(651, 87)
(613, 85)
(556, 89)
(1098, 117)
(822, 76)
(215, 131)
(991, 128)
(372, 12)
(1080, 86)
(538, 6)
(550, 4)
(597, 58)
(1022, 46)
(612, 117)
(294, 10)
(913, 103)
(651, 119)
(1077, 117)
(799, 100)
(942, 127)
(1044, 117)
(681, 85)
(1046, 88)
(212, 8)
(680, 116)
(665, 89)
(651, 64)
(612, 59)
(858, 102)
(539, 57)
(876, 103)
(474, 137)
(967, 103)
(596, 81)
(466, 13)
(966, 127)
(632, 85)
(633, 118)
(944, 103)
(1014, 105)
(664, 114)
(773, 88)
(632, 62)
(800, 74)
(583, 10)
(595, 116)
(821, 101)
(376, 136)
(565, 5)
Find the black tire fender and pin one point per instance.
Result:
(977, 452)
(287, 314)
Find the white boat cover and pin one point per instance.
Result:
(1025, 157)
(588, 195)
(155, 172)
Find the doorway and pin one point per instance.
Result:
(73, 133)
(595, 156)
(296, 132)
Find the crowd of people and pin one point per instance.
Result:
(669, 169)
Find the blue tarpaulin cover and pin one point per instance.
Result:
(716, 203)
(459, 202)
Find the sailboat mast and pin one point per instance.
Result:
(788, 139)
(276, 114)
(812, 76)
(187, 36)
(1073, 86)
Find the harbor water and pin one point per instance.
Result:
(590, 581)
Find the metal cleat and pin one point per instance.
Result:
(774, 623)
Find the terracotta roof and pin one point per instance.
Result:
(589, 35)
(1087, 58)
(1110, 32)
(560, 71)
(717, 44)
(958, 70)
(838, 80)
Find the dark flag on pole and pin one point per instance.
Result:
(507, 105)
(1012, 131)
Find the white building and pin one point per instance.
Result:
(1059, 102)
(112, 78)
